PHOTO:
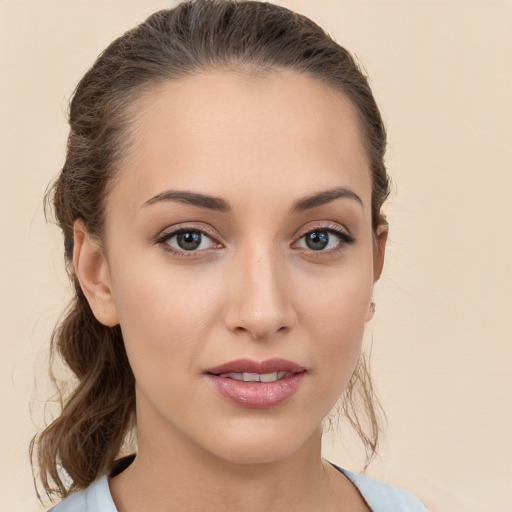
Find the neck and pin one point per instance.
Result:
(171, 473)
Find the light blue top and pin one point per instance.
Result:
(379, 496)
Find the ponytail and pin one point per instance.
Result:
(87, 436)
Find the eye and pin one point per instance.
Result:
(325, 240)
(186, 240)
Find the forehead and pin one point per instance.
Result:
(217, 131)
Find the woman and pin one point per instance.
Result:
(221, 208)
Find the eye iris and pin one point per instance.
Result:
(189, 240)
(317, 240)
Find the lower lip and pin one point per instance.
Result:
(257, 395)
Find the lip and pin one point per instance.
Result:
(256, 395)
(250, 366)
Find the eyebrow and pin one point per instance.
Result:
(321, 198)
(221, 205)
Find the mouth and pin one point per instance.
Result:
(269, 368)
(257, 377)
(256, 384)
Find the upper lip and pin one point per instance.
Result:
(261, 367)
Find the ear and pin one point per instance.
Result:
(381, 237)
(92, 270)
(379, 249)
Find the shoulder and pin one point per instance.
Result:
(96, 498)
(382, 497)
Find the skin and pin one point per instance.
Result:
(254, 289)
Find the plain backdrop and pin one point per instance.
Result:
(442, 335)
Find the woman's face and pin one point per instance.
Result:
(238, 247)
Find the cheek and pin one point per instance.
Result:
(339, 300)
(164, 317)
(165, 320)
(335, 318)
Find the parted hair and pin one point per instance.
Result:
(196, 36)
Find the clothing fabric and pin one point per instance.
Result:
(379, 496)
(382, 497)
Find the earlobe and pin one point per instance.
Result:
(92, 271)
(371, 310)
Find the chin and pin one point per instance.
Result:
(256, 454)
(262, 445)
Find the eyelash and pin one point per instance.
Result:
(344, 238)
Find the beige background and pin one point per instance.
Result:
(442, 336)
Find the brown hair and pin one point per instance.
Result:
(195, 36)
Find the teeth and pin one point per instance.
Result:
(268, 377)
(252, 377)
(236, 376)
(256, 377)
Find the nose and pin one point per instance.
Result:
(260, 294)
